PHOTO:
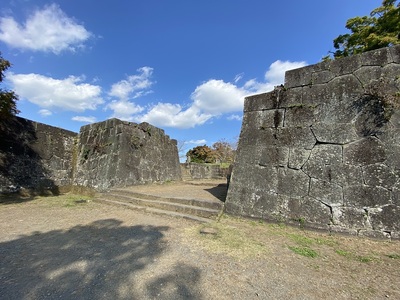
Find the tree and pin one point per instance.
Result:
(224, 152)
(8, 105)
(380, 29)
(201, 154)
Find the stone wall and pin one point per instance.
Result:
(106, 154)
(323, 150)
(34, 156)
(117, 153)
(195, 171)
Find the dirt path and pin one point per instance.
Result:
(67, 248)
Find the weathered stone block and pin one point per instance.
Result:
(266, 176)
(298, 77)
(293, 183)
(365, 73)
(260, 102)
(372, 116)
(378, 57)
(347, 65)
(315, 212)
(298, 157)
(334, 133)
(270, 118)
(326, 192)
(395, 119)
(264, 204)
(316, 95)
(322, 77)
(299, 116)
(366, 196)
(386, 218)
(366, 151)
(295, 137)
(379, 175)
(348, 217)
(344, 175)
(274, 156)
(322, 157)
(395, 53)
(248, 154)
(291, 97)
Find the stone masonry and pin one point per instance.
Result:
(35, 156)
(44, 158)
(323, 150)
(118, 153)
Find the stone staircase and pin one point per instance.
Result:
(201, 210)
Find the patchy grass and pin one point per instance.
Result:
(304, 251)
(245, 239)
(344, 253)
(360, 258)
(228, 239)
(66, 200)
(364, 259)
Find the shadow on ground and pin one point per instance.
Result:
(101, 260)
(219, 191)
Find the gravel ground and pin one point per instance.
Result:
(69, 248)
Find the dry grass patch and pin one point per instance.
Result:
(243, 238)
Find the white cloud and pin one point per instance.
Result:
(124, 110)
(173, 115)
(45, 112)
(84, 119)
(49, 30)
(234, 118)
(217, 97)
(276, 72)
(134, 86)
(274, 76)
(46, 92)
(197, 142)
(137, 85)
(210, 99)
(238, 77)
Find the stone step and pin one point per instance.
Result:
(216, 205)
(196, 209)
(153, 210)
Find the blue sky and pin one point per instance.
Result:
(182, 65)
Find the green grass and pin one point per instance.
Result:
(344, 253)
(393, 256)
(304, 251)
(364, 259)
(301, 239)
(351, 255)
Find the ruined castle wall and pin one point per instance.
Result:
(324, 149)
(118, 153)
(34, 156)
(195, 171)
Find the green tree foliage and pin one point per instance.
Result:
(8, 105)
(201, 154)
(221, 152)
(380, 29)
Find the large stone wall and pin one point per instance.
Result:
(111, 153)
(118, 153)
(197, 171)
(35, 156)
(323, 150)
